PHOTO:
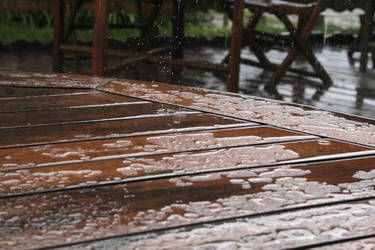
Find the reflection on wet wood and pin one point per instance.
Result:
(13, 92)
(144, 145)
(68, 100)
(112, 129)
(88, 114)
(50, 80)
(91, 169)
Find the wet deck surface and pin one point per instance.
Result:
(353, 92)
(105, 163)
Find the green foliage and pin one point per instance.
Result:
(123, 34)
(29, 27)
(204, 31)
(84, 17)
(331, 28)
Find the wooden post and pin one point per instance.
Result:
(178, 29)
(58, 31)
(100, 40)
(235, 48)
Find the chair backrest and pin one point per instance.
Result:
(300, 1)
(317, 4)
(281, 2)
(297, 2)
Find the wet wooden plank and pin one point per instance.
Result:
(70, 100)
(106, 170)
(114, 129)
(29, 79)
(145, 145)
(49, 219)
(88, 114)
(327, 226)
(292, 116)
(364, 242)
(14, 92)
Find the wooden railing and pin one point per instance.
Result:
(129, 5)
(25, 5)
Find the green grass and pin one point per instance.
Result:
(11, 34)
(28, 27)
(38, 27)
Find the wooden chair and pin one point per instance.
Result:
(307, 12)
(65, 39)
(148, 11)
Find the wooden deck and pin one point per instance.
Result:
(104, 163)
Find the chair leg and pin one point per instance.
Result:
(281, 71)
(58, 33)
(178, 29)
(371, 46)
(235, 50)
(71, 10)
(302, 45)
(247, 37)
(100, 40)
(357, 41)
(152, 18)
(254, 46)
(147, 14)
(365, 36)
(178, 34)
(301, 39)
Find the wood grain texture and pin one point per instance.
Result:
(88, 114)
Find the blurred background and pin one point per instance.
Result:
(26, 37)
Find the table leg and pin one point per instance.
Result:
(100, 39)
(58, 33)
(365, 36)
(235, 49)
(178, 29)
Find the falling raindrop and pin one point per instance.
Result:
(325, 31)
(179, 5)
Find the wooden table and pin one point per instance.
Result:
(98, 162)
